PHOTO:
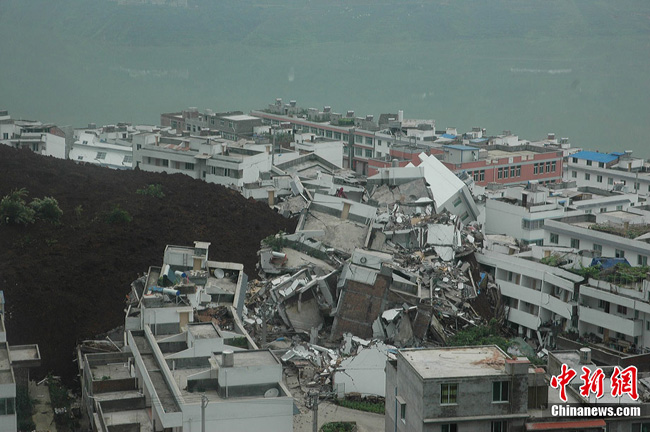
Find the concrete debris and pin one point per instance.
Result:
(365, 273)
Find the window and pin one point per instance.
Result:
(642, 260)
(500, 390)
(599, 178)
(378, 142)
(457, 202)
(451, 427)
(518, 170)
(5, 135)
(500, 173)
(321, 132)
(448, 393)
(337, 135)
(505, 172)
(7, 406)
(621, 309)
(587, 176)
(554, 238)
(574, 160)
(601, 164)
(165, 162)
(189, 166)
(368, 153)
(548, 166)
(574, 174)
(618, 253)
(358, 139)
(358, 151)
(500, 426)
(647, 325)
(619, 207)
(575, 243)
(345, 149)
(535, 168)
(345, 137)
(588, 163)
(464, 216)
(482, 175)
(637, 185)
(101, 156)
(610, 181)
(532, 224)
(379, 155)
(602, 304)
(368, 141)
(601, 330)
(598, 248)
(553, 166)
(127, 159)
(230, 125)
(402, 411)
(328, 133)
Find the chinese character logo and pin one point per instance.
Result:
(562, 380)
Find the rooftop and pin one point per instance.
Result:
(456, 362)
(595, 156)
(240, 117)
(460, 147)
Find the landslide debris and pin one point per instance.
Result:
(67, 282)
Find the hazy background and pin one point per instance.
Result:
(577, 68)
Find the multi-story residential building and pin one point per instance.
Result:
(175, 374)
(213, 160)
(538, 297)
(365, 142)
(13, 363)
(616, 170)
(456, 389)
(41, 138)
(109, 146)
(521, 211)
(233, 125)
(505, 164)
(617, 234)
(543, 301)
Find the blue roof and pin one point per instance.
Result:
(448, 136)
(595, 156)
(606, 263)
(618, 153)
(478, 140)
(460, 147)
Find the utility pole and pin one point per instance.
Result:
(204, 404)
(313, 397)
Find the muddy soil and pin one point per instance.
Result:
(66, 283)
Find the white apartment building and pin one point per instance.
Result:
(616, 170)
(44, 139)
(213, 160)
(541, 298)
(535, 294)
(521, 212)
(172, 372)
(607, 234)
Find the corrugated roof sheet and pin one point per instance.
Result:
(448, 136)
(595, 156)
(564, 425)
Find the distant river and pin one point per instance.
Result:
(576, 68)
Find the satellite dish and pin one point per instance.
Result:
(218, 273)
(271, 393)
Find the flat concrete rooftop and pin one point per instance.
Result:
(203, 331)
(456, 362)
(341, 234)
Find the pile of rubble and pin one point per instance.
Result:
(397, 273)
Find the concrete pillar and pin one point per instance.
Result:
(271, 197)
(346, 211)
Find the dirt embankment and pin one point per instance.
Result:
(68, 282)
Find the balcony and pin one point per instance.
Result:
(627, 326)
(523, 318)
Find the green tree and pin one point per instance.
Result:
(14, 209)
